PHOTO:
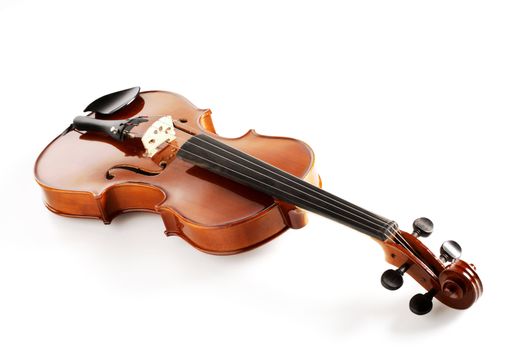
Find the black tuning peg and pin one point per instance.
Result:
(393, 279)
(421, 304)
(450, 251)
(423, 227)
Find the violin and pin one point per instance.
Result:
(154, 151)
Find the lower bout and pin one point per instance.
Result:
(228, 239)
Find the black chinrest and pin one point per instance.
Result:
(111, 103)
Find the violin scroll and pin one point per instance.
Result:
(460, 285)
(447, 278)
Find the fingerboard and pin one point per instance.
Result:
(219, 158)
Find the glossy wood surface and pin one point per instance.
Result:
(94, 176)
(86, 175)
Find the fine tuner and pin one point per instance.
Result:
(156, 152)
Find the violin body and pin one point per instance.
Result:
(156, 152)
(92, 176)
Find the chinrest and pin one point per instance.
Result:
(111, 103)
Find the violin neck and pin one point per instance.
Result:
(217, 157)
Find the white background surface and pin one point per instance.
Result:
(413, 109)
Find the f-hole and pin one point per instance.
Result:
(134, 169)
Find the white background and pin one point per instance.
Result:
(413, 108)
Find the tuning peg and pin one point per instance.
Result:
(421, 304)
(450, 251)
(422, 227)
(393, 279)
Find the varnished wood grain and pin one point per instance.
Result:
(213, 214)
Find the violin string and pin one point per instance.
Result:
(283, 191)
(389, 228)
(283, 183)
(396, 232)
(300, 183)
(388, 237)
(296, 181)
